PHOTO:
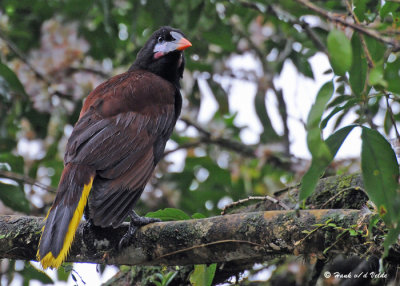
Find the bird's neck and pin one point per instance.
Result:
(169, 75)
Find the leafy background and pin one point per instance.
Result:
(53, 53)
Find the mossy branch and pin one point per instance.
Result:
(246, 236)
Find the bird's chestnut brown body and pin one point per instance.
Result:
(116, 143)
(121, 134)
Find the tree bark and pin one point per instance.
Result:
(251, 230)
(254, 237)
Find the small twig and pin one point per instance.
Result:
(207, 137)
(362, 39)
(338, 238)
(287, 189)
(362, 29)
(88, 70)
(188, 122)
(22, 57)
(335, 196)
(208, 244)
(80, 277)
(282, 108)
(25, 60)
(391, 115)
(391, 31)
(232, 145)
(257, 198)
(304, 25)
(308, 235)
(365, 113)
(183, 146)
(251, 5)
(26, 180)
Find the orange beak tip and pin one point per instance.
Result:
(183, 44)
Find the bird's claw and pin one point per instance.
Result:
(141, 221)
(136, 222)
(127, 238)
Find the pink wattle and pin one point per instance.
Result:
(158, 55)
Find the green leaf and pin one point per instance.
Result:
(31, 273)
(360, 9)
(63, 272)
(339, 99)
(310, 179)
(7, 144)
(195, 13)
(341, 117)
(353, 232)
(387, 122)
(375, 218)
(14, 197)
(220, 96)
(391, 237)
(340, 52)
(269, 134)
(380, 172)
(16, 162)
(302, 64)
(323, 96)
(376, 76)
(11, 78)
(392, 75)
(169, 214)
(321, 154)
(315, 143)
(336, 139)
(388, 8)
(169, 277)
(375, 48)
(359, 66)
(220, 36)
(317, 146)
(350, 103)
(203, 275)
(198, 216)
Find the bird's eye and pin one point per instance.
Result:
(159, 39)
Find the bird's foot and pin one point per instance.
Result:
(136, 222)
(126, 239)
(90, 227)
(141, 221)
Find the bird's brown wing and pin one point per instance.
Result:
(122, 134)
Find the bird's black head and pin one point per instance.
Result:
(163, 54)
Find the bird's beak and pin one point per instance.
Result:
(178, 44)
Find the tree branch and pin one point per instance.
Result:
(26, 180)
(207, 137)
(304, 25)
(360, 28)
(368, 56)
(274, 9)
(248, 236)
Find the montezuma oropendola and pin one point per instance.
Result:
(114, 147)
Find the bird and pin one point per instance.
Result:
(116, 143)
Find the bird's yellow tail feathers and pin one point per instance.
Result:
(63, 218)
